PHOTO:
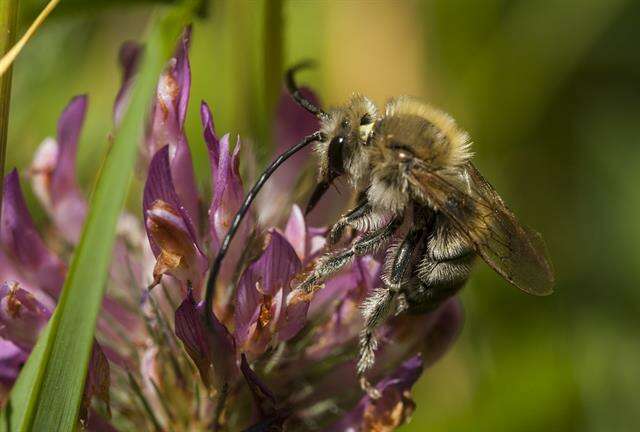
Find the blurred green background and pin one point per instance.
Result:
(548, 89)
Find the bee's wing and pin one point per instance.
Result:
(514, 251)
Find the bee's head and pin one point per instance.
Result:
(347, 130)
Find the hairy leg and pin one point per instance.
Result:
(377, 307)
(353, 217)
(335, 261)
(362, 218)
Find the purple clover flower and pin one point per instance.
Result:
(261, 364)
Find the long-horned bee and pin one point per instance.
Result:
(417, 189)
(410, 167)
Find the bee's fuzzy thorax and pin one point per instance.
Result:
(458, 150)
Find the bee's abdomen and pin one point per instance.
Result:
(446, 272)
(443, 270)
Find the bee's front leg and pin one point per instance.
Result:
(355, 216)
(335, 261)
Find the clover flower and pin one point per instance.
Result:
(161, 360)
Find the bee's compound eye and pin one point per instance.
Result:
(336, 165)
(366, 119)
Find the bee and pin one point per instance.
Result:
(419, 192)
(419, 196)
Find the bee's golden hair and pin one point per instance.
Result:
(458, 145)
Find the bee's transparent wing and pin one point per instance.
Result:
(514, 251)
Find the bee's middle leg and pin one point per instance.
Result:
(333, 262)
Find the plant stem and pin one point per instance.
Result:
(219, 409)
(272, 58)
(8, 23)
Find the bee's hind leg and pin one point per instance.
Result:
(335, 261)
(377, 307)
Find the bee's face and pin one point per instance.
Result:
(347, 129)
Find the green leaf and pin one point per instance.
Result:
(48, 392)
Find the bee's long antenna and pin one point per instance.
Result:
(295, 93)
(244, 208)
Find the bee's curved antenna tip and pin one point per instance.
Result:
(294, 90)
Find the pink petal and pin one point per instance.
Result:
(357, 281)
(276, 267)
(21, 241)
(341, 329)
(22, 317)
(129, 57)
(227, 196)
(265, 411)
(292, 321)
(265, 284)
(159, 188)
(212, 350)
(172, 98)
(247, 311)
(182, 71)
(53, 173)
(394, 392)
(296, 232)
(342, 296)
(167, 126)
(97, 423)
(69, 127)
(97, 381)
(308, 241)
(211, 140)
(11, 360)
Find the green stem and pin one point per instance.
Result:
(272, 58)
(259, 37)
(219, 409)
(8, 23)
(137, 391)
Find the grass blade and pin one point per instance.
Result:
(48, 392)
(8, 24)
(10, 56)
